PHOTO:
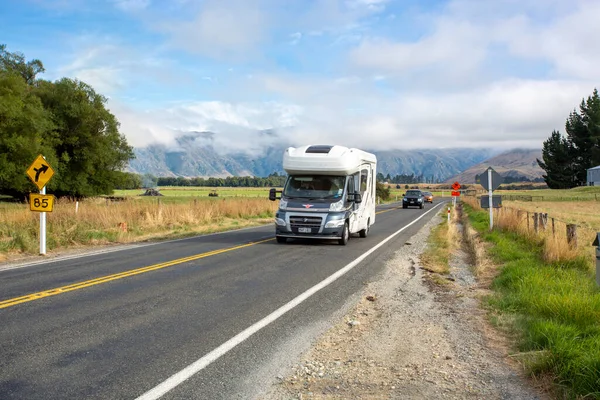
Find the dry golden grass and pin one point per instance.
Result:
(99, 222)
(519, 217)
(585, 214)
(443, 241)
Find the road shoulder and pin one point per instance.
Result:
(407, 338)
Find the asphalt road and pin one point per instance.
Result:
(116, 325)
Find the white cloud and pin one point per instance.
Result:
(455, 45)
(235, 124)
(221, 29)
(464, 83)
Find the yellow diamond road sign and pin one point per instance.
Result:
(40, 172)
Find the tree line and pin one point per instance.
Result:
(566, 159)
(405, 178)
(137, 181)
(67, 122)
(273, 180)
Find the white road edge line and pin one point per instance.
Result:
(186, 373)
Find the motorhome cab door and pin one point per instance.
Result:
(361, 182)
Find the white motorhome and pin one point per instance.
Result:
(329, 193)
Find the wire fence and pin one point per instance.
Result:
(562, 239)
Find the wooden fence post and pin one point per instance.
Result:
(527, 221)
(572, 235)
(536, 220)
(543, 220)
(553, 229)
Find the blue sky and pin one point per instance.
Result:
(375, 74)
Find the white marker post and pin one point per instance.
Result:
(490, 195)
(43, 228)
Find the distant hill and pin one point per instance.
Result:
(193, 155)
(517, 165)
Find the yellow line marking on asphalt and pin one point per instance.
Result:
(120, 275)
(92, 282)
(389, 209)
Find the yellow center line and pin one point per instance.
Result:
(92, 282)
(389, 209)
(120, 275)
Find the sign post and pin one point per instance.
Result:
(490, 181)
(455, 192)
(40, 172)
(489, 174)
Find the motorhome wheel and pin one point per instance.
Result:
(345, 235)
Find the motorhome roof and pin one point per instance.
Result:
(325, 159)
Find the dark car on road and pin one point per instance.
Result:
(413, 198)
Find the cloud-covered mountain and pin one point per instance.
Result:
(195, 155)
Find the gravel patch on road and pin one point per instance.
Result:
(408, 338)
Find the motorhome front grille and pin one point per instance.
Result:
(305, 222)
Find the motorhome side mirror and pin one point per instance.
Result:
(273, 194)
(357, 197)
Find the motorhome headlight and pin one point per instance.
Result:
(335, 222)
(282, 204)
(337, 206)
(279, 221)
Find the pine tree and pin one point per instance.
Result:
(558, 155)
(583, 130)
(567, 159)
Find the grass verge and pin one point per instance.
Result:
(440, 246)
(551, 309)
(96, 222)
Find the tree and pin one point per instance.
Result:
(67, 122)
(558, 163)
(382, 191)
(88, 145)
(16, 62)
(583, 130)
(23, 124)
(566, 160)
(128, 181)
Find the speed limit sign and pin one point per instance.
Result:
(41, 202)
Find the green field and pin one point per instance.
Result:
(189, 191)
(182, 194)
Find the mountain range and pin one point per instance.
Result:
(515, 165)
(193, 155)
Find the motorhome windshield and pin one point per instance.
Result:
(315, 186)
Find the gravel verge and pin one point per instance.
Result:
(409, 338)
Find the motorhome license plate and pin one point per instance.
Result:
(304, 230)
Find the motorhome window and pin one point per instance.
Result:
(351, 184)
(315, 186)
(364, 176)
